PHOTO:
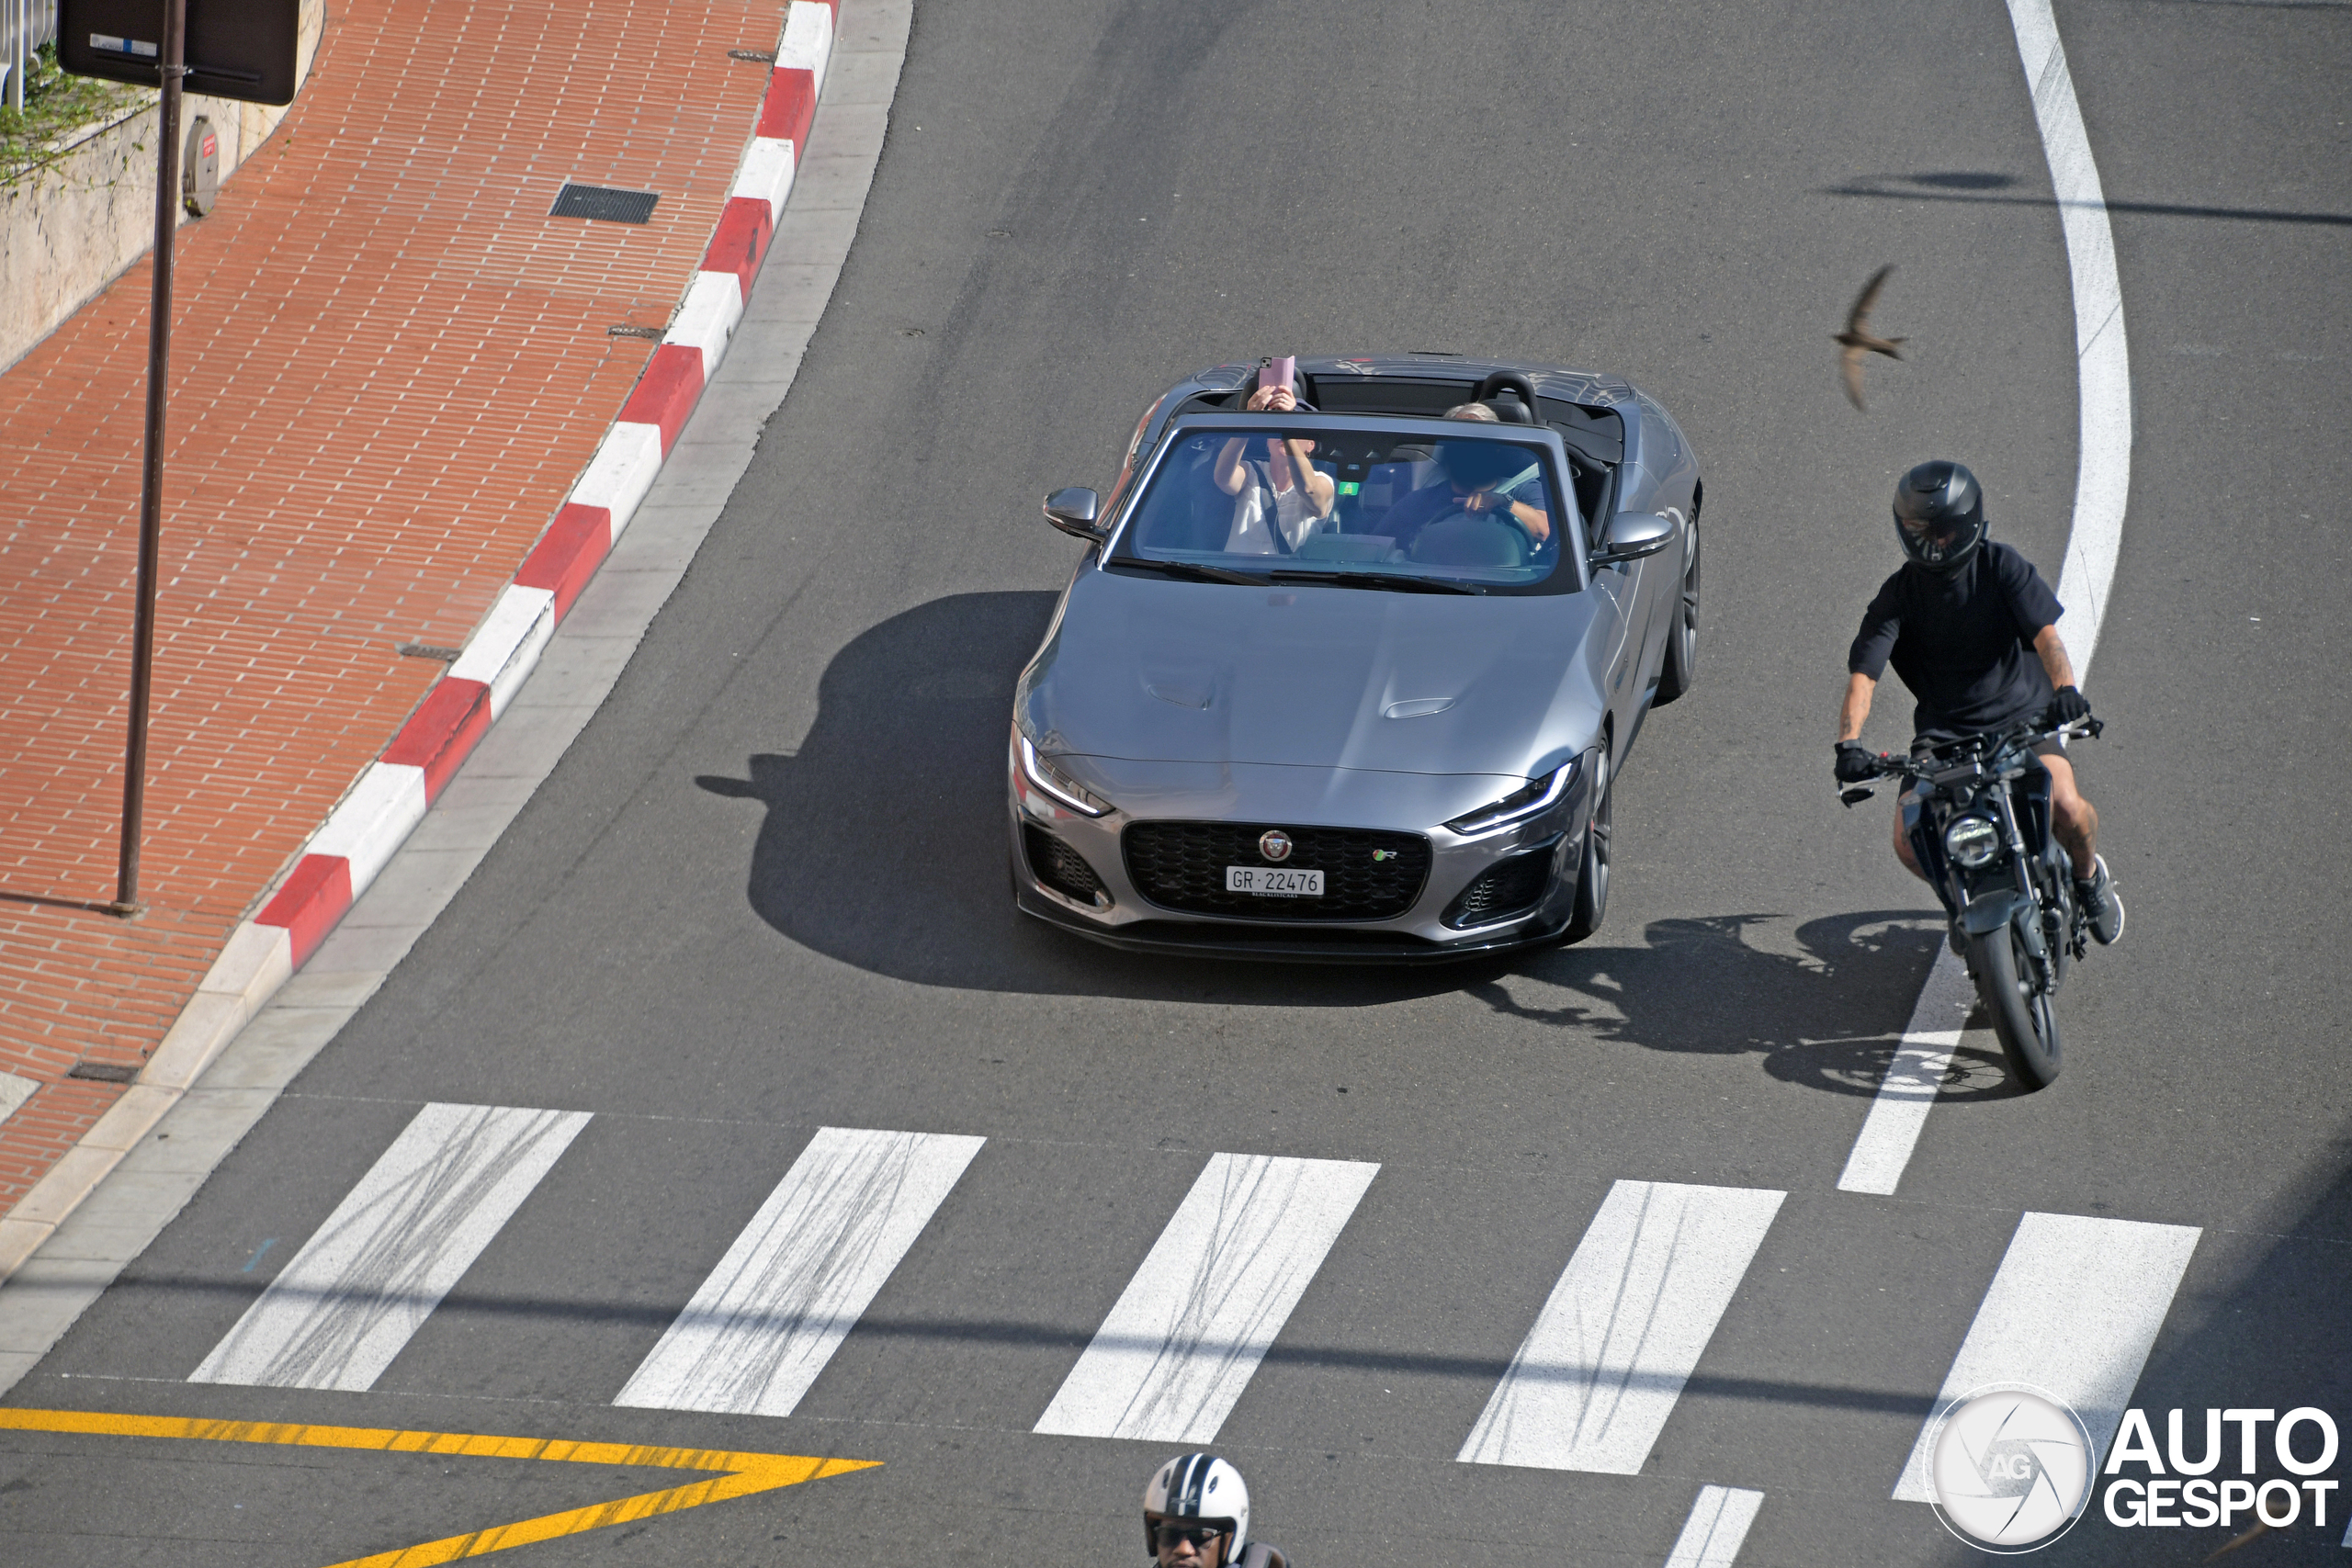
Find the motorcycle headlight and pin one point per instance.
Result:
(1038, 771)
(1972, 840)
(1539, 796)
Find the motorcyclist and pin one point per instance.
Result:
(1957, 620)
(1196, 1514)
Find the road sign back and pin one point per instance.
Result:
(236, 49)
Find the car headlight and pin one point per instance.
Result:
(1049, 781)
(1972, 840)
(1539, 796)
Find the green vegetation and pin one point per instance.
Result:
(56, 105)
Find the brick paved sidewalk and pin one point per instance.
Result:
(388, 368)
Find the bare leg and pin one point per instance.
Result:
(2073, 821)
(1902, 843)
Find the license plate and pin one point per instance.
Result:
(1273, 882)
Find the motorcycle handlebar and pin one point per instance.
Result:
(1899, 764)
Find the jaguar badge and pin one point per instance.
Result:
(1274, 844)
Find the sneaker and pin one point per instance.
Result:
(2100, 906)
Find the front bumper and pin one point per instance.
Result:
(1120, 915)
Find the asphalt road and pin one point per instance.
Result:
(764, 893)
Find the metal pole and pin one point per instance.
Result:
(151, 490)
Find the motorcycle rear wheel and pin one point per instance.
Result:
(2025, 1020)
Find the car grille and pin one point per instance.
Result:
(1180, 865)
(1059, 867)
(1507, 887)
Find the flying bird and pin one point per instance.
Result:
(1857, 339)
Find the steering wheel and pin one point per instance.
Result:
(1464, 537)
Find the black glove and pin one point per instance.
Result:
(2067, 705)
(1855, 763)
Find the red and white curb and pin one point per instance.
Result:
(361, 835)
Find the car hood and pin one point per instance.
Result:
(1153, 669)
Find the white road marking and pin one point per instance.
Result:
(1596, 1377)
(2073, 1312)
(2102, 490)
(372, 1273)
(795, 1281)
(1711, 1537)
(1190, 1329)
(2103, 371)
(1892, 1129)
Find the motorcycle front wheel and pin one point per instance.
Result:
(2025, 1018)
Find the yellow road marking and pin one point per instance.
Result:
(744, 1474)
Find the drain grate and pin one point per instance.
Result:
(604, 204)
(104, 1072)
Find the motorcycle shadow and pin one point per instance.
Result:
(1830, 1016)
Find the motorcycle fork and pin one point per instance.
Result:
(2045, 946)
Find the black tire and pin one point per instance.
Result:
(1682, 665)
(1593, 866)
(2026, 1023)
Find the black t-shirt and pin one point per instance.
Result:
(1963, 643)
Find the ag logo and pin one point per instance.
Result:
(1274, 844)
(2010, 1469)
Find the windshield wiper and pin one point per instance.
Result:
(1379, 580)
(1193, 570)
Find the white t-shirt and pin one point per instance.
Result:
(1260, 508)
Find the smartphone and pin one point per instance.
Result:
(1282, 372)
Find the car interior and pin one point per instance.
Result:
(1592, 436)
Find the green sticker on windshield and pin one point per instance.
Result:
(1349, 487)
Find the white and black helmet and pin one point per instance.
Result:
(1199, 1487)
(1939, 516)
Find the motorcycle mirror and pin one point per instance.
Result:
(1856, 794)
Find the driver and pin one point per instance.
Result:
(1481, 477)
(1196, 1514)
(1956, 622)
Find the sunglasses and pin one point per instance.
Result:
(1196, 1535)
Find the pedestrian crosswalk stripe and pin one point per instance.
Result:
(794, 1283)
(372, 1273)
(1718, 1524)
(1597, 1376)
(2073, 1312)
(1188, 1333)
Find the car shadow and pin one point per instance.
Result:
(1830, 1016)
(883, 846)
(884, 843)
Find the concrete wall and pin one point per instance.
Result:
(70, 229)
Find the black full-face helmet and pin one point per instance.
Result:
(1939, 516)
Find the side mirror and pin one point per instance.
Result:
(1073, 511)
(1632, 536)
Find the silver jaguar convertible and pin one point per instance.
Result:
(1349, 676)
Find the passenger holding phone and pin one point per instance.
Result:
(1279, 495)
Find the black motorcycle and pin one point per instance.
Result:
(1979, 829)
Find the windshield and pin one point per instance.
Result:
(1366, 508)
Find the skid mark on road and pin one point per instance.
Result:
(1596, 1377)
(1718, 1524)
(800, 1275)
(1189, 1331)
(371, 1275)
